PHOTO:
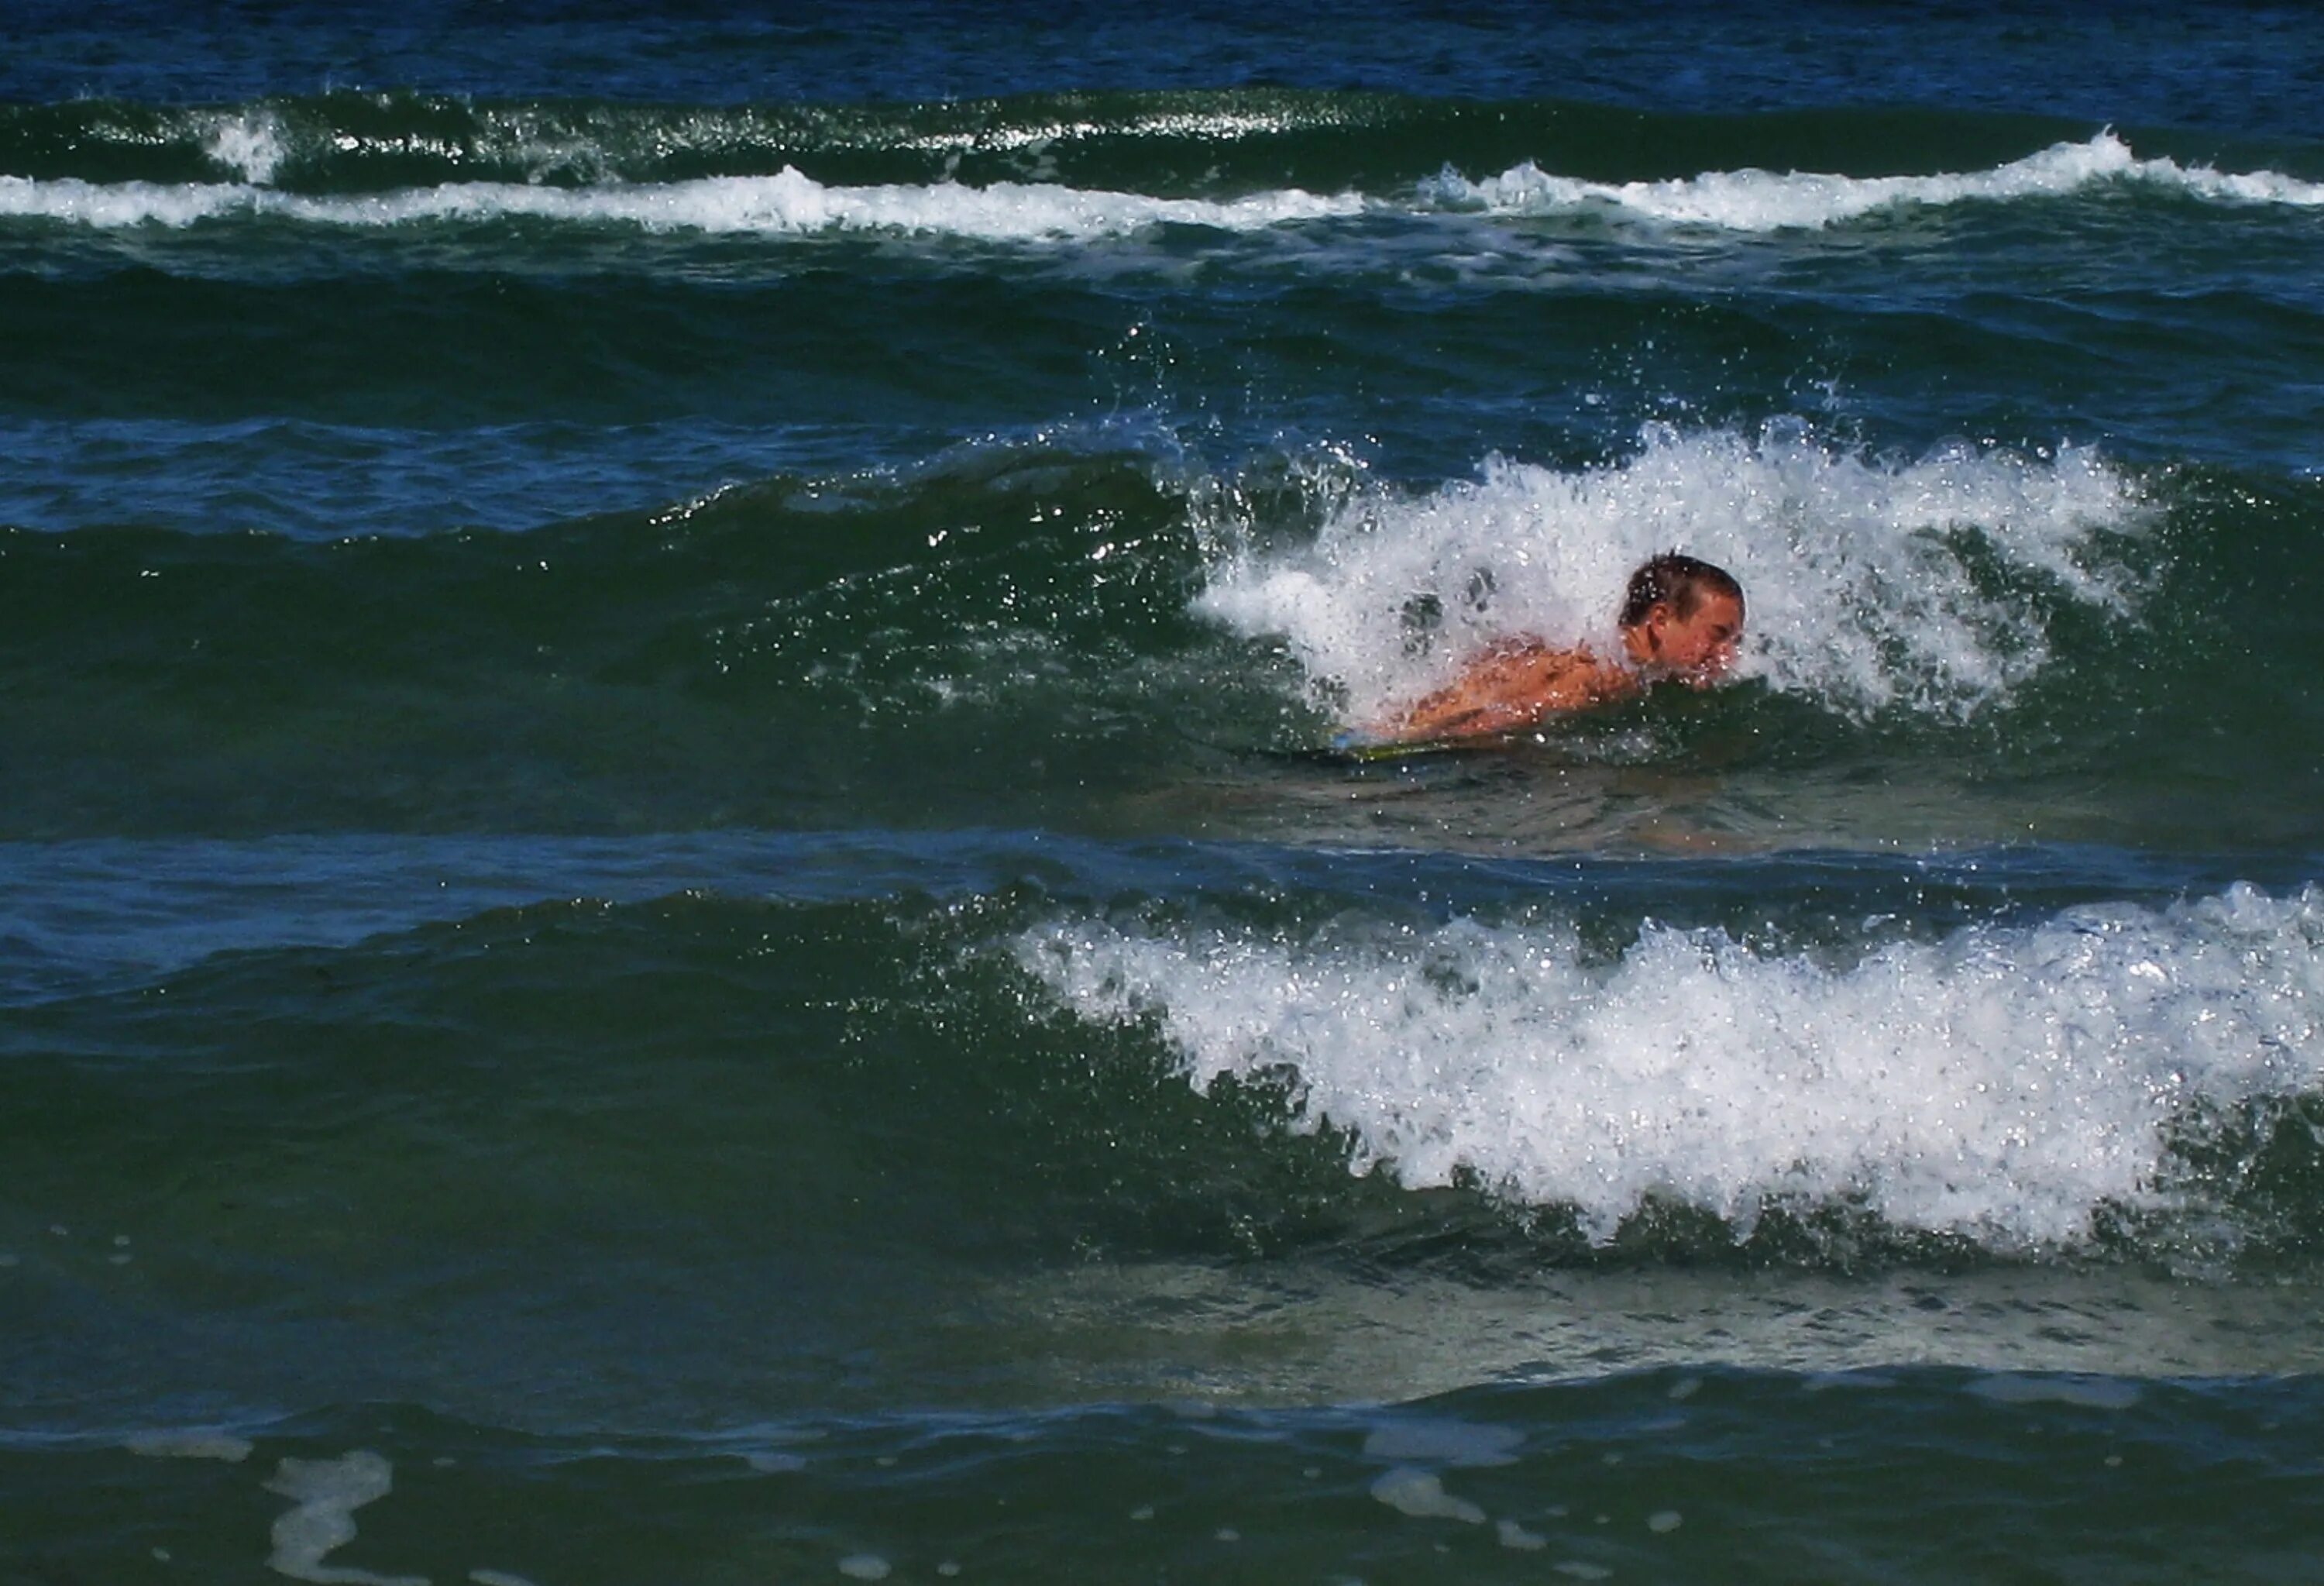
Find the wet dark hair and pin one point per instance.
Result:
(1681, 580)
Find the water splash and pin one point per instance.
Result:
(2004, 1084)
(1870, 583)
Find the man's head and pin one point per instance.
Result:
(1682, 616)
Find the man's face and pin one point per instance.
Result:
(1699, 648)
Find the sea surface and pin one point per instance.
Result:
(677, 909)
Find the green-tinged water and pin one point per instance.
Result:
(1027, 617)
(1663, 1475)
(696, 883)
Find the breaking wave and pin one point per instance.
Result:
(2008, 1082)
(1767, 200)
(256, 148)
(1871, 582)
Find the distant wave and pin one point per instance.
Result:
(346, 140)
(791, 203)
(786, 203)
(1767, 200)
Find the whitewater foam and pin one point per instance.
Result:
(785, 204)
(1421, 1494)
(1861, 591)
(251, 143)
(2004, 1083)
(325, 1495)
(1755, 200)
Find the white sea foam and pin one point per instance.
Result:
(2004, 1083)
(253, 145)
(1767, 200)
(325, 1495)
(1514, 1535)
(247, 142)
(1420, 1494)
(786, 204)
(1858, 592)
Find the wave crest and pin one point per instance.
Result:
(2006, 1083)
(1870, 583)
(787, 203)
(258, 146)
(1766, 200)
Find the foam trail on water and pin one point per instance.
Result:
(1852, 566)
(786, 203)
(1767, 200)
(325, 1495)
(2004, 1083)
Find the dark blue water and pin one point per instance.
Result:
(675, 902)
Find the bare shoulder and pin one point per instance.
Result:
(1513, 685)
(1520, 661)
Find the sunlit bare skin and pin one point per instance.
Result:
(1523, 682)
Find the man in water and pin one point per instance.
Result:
(1679, 620)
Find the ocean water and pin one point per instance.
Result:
(675, 906)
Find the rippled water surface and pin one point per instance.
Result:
(681, 897)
